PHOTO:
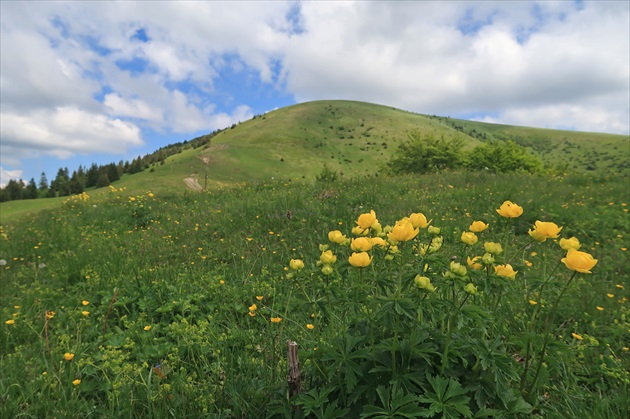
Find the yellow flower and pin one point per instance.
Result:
(49, 314)
(532, 302)
(478, 226)
(259, 297)
(493, 248)
(360, 260)
(276, 319)
(578, 337)
(610, 295)
(85, 313)
(505, 271)
(403, 231)
(424, 283)
(310, 326)
(253, 307)
(544, 230)
(367, 220)
(600, 308)
(458, 269)
(327, 269)
(469, 238)
(76, 382)
(434, 231)
(85, 302)
(510, 210)
(358, 231)
(10, 322)
(336, 237)
(418, 220)
(361, 244)
(328, 258)
(579, 261)
(296, 264)
(470, 288)
(572, 243)
(147, 328)
(473, 262)
(252, 313)
(68, 356)
(379, 241)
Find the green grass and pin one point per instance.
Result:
(191, 265)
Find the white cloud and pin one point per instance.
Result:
(7, 175)
(66, 131)
(132, 108)
(553, 64)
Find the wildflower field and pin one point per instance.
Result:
(451, 295)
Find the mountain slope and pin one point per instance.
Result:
(352, 138)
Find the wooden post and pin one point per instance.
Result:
(294, 378)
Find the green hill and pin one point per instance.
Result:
(352, 138)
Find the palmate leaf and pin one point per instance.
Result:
(394, 404)
(446, 396)
(344, 358)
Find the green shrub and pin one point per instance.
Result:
(425, 155)
(502, 157)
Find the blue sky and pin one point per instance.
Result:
(85, 82)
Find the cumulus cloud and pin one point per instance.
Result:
(66, 131)
(7, 175)
(75, 73)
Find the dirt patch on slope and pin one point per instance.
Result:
(193, 184)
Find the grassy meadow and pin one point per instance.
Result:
(148, 301)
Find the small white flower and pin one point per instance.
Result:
(3, 262)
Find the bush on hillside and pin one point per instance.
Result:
(502, 157)
(425, 155)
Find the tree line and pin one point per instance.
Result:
(95, 176)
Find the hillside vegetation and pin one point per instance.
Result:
(351, 138)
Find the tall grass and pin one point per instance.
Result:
(153, 295)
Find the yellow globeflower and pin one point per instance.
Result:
(576, 336)
(424, 283)
(76, 382)
(296, 264)
(510, 210)
(68, 356)
(360, 260)
(379, 241)
(11, 321)
(361, 244)
(478, 226)
(572, 243)
(367, 220)
(544, 230)
(403, 231)
(358, 231)
(469, 238)
(418, 220)
(505, 271)
(473, 262)
(309, 326)
(276, 319)
(493, 248)
(336, 237)
(579, 261)
(328, 258)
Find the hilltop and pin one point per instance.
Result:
(351, 138)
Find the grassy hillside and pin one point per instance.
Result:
(352, 138)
